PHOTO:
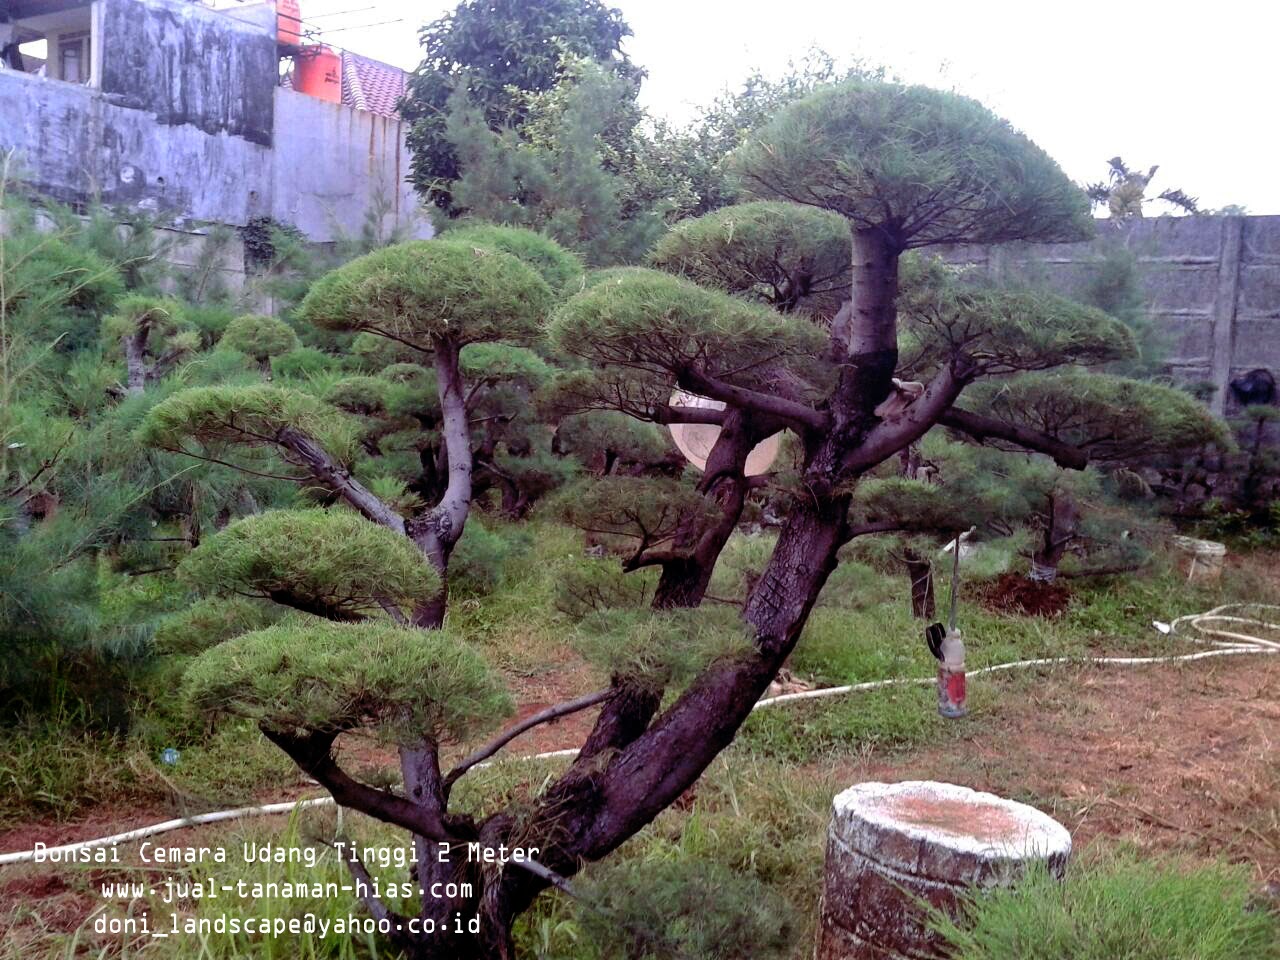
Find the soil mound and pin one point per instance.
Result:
(1014, 593)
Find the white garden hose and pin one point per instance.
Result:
(1223, 628)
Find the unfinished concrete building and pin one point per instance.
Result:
(191, 113)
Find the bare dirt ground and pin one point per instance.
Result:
(1172, 757)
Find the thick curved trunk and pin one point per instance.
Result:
(684, 582)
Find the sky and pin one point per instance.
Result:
(1192, 87)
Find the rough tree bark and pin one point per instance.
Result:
(920, 572)
(1062, 523)
(685, 579)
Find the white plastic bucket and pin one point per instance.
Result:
(1201, 559)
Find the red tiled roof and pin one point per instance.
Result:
(368, 84)
(371, 84)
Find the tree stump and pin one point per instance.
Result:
(892, 844)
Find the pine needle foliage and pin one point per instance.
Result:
(920, 506)
(557, 266)
(1115, 418)
(360, 395)
(947, 318)
(259, 337)
(504, 362)
(650, 320)
(649, 509)
(684, 910)
(329, 562)
(134, 311)
(661, 647)
(417, 291)
(787, 255)
(211, 620)
(1127, 907)
(925, 166)
(252, 415)
(324, 677)
(601, 438)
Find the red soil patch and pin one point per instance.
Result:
(1014, 593)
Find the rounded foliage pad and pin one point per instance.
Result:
(329, 562)
(328, 677)
(425, 289)
(924, 166)
(556, 265)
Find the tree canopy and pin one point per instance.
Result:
(404, 684)
(787, 255)
(422, 290)
(332, 563)
(921, 166)
(494, 51)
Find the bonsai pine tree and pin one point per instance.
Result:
(1120, 424)
(259, 338)
(644, 334)
(432, 299)
(786, 257)
(151, 334)
(906, 167)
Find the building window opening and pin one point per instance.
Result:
(47, 39)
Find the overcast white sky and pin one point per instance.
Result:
(1193, 87)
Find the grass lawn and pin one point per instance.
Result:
(1142, 764)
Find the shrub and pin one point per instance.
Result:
(684, 910)
(1138, 910)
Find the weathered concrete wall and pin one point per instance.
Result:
(73, 144)
(1211, 285)
(185, 64)
(334, 165)
(189, 123)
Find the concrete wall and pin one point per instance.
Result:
(188, 122)
(1211, 284)
(333, 165)
(74, 144)
(184, 64)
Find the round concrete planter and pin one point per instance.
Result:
(892, 845)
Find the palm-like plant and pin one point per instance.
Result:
(1124, 192)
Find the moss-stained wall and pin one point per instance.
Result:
(185, 64)
(189, 123)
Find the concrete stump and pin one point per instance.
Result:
(891, 844)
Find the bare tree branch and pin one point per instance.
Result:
(313, 755)
(983, 428)
(796, 414)
(543, 716)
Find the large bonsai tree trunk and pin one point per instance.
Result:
(684, 581)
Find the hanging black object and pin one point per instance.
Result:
(934, 634)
